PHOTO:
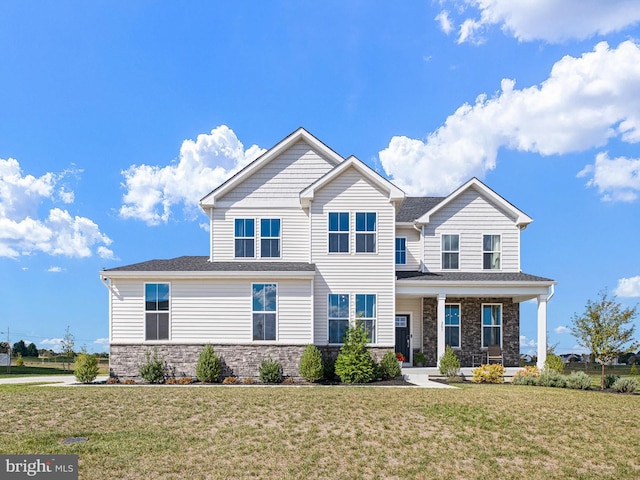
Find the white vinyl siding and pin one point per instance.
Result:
(352, 273)
(215, 311)
(471, 216)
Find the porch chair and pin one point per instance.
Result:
(494, 352)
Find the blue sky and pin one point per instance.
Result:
(116, 117)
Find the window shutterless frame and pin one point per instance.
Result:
(366, 313)
(157, 304)
(244, 235)
(338, 225)
(337, 317)
(452, 325)
(491, 252)
(366, 232)
(450, 247)
(491, 324)
(401, 251)
(264, 311)
(270, 238)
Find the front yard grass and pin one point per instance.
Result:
(476, 431)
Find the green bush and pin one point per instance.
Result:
(329, 368)
(208, 368)
(552, 378)
(86, 369)
(554, 362)
(609, 380)
(270, 371)
(633, 370)
(19, 361)
(354, 363)
(154, 370)
(389, 367)
(311, 368)
(419, 359)
(525, 380)
(449, 363)
(578, 381)
(625, 385)
(493, 373)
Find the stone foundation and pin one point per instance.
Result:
(237, 360)
(471, 330)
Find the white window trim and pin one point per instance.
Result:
(348, 232)
(348, 295)
(144, 303)
(459, 305)
(356, 232)
(375, 319)
(443, 251)
(261, 237)
(277, 312)
(405, 250)
(482, 325)
(492, 251)
(255, 236)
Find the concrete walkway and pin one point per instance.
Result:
(49, 380)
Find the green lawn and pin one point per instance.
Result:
(37, 367)
(477, 431)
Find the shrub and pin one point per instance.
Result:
(354, 363)
(208, 368)
(329, 368)
(270, 371)
(625, 385)
(633, 370)
(113, 381)
(528, 371)
(154, 370)
(609, 380)
(249, 381)
(129, 381)
(185, 381)
(493, 373)
(578, 381)
(19, 361)
(449, 363)
(389, 367)
(311, 368)
(289, 381)
(552, 378)
(171, 381)
(230, 380)
(525, 380)
(86, 369)
(419, 359)
(554, 362)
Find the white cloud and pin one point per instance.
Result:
(616, 179)
(585, 102)
(562, 330)
(554, 21)
(203, 164)
(53, 343)
(55, 269)
(527, 342)
(628, 287)
(23, 232)
(106, 253)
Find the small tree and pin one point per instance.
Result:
(86, 367)
(311, 368)
(19, 348)
(449, 363)
(66, 347)
(602, 329)
(32, 350)
(354, 363)
(208, 368)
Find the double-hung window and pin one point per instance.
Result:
(366, 314)
(491, 324)
(244, 237)
(338, 232)
(156, 301)
(401, 251)
(452, 325)
(338, 316)
(365, 232)
(491, 252)
(265, 310)
(270, 237)
(450, 252)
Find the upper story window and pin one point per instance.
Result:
(452, 325)
(338, 316)
(491, 324)
(339, 232)
(366, 314)
(264, 310)
(244, 237)
(366, 232)
(156, 301)
(401, 251)
(491, 246)
(270, 237)
(451, 252)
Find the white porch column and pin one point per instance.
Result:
(440, 323)
(542, 330)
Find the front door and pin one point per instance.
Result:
(403, 336)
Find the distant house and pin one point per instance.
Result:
(305, 243)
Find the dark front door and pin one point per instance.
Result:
(403, 335)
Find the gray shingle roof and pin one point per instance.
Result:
(414, 207)
(471, 277)
(202, 264)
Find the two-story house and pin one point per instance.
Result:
(304, 244)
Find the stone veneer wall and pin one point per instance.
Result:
(237, 360)
(471, 329)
